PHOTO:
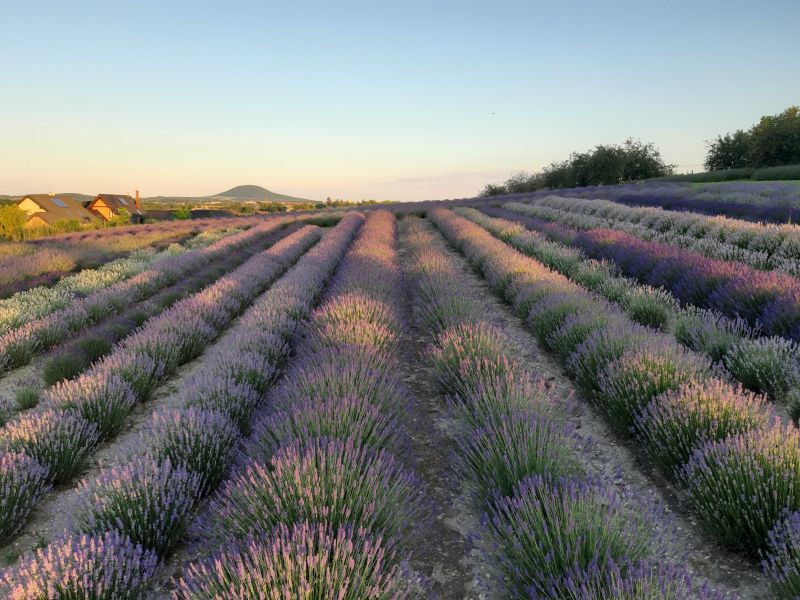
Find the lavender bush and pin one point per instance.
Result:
(199, 441)
(498, 455)
(782, 557)
(22, 482)
(549, 527)
(501, 395)
(742, 485)
(335, 480)
(58, 440)
(105, 401)
(627, 384)
(148, 501)
(337, 418)
(304, 560)
(107, 566)
(341, 373)
(642, 580)
(459, 349)
(673, 424)
(221, 393)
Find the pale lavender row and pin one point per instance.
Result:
(323, 506)
(739, 466)
(550, 531)
(56, 255)
(147, 505)
(18, 346)
(95, 405)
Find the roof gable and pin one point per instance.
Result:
(116, 202)
(59, 208)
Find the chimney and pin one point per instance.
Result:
(138, 201)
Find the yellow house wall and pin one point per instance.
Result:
(29, 206)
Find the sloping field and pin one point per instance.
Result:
(555, 399)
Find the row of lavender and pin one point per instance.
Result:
(551, 530)
(80, 413)
(739, 467)
(60, 254)
(19, 345)
(764, 247)
(132, 516)
(772, 201)
(769, 300)
(766, 364)
(322, 505)
(42, 300)
(70, 359)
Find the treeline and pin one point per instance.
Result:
(603, 165)
(772, 142)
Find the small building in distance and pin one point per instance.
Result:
(108, 206)
(45, 210)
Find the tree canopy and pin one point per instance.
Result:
(772, 142)
(603, 165)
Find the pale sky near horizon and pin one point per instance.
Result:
(405, 100)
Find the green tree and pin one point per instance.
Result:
(123, 217)
(182, 213)
(493, 189)
(729, 151)
(775, 140)
(12, 220)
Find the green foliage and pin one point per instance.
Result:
(272, 207)
(604, 165)
(790, 172)
(123, 217)
(728, 151)
(182, 214)
(26, 398)
(62, 366)
(773, 141)
(11, 221)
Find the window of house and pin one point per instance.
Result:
(59, 202)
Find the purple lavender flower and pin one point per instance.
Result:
(673, 424)
(23, 481)
(498, 455)
(335, 418)
(643, 580)
(148, 501)
(550, 526)
(210, 391)
(102, 567)
(341, 373)
(58, 440)
(304, 560)
(628, 383)
(782, 557)
(743, 484)
(199, 441)
(335, 481)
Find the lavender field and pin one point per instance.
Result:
(567, 397)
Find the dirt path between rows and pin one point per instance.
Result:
(443, 552)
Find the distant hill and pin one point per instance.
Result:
(256, 192)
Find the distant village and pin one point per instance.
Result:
(45, 210)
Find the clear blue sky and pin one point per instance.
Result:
(402, 100)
